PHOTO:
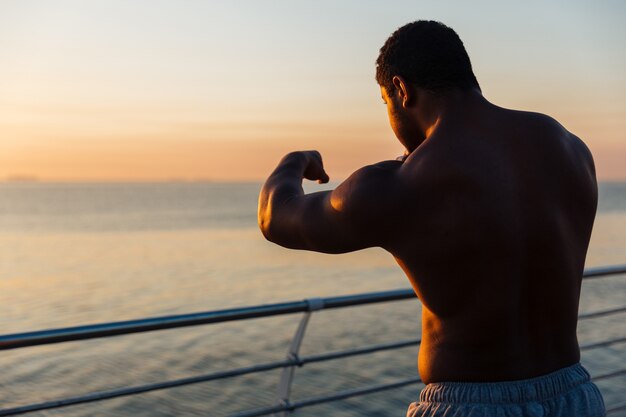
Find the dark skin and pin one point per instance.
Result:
(489, 216)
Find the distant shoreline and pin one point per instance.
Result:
(21, 178)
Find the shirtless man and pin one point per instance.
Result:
(489, 215)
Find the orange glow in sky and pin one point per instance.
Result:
(115, 90)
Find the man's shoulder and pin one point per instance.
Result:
(391, 165)
(374, 174)
(551, 140)
(547, 129)
(370, 182)
(535, 120)
(550, 127)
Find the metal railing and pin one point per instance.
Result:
(284, 405)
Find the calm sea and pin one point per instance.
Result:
(74, 254)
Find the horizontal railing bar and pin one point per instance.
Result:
(603, 343)
(601, 313)
(41, 337)
(620, 407)
(140, 389)
(143, 325)
(603, 271)
(327, 398)
(67, 334)
(610, 375)
(265, 411)
(357, 351)
(356, 392)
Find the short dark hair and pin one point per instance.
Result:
(428, 54)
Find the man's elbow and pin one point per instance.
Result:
(277, 231)
(264, 214)
(265, 229)
(264, 224)
(269, 227)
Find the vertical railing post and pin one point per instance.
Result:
(286, 377)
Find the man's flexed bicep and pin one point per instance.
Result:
(356, 215)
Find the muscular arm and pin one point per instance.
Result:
(359, 213)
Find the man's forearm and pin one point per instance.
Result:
(282, 185)
(286, 180)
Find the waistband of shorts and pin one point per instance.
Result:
(519, 391)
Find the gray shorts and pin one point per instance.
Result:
(567, 392)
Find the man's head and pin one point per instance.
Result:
(419, 65)
(427, 54)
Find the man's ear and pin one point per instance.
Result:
(403, 90)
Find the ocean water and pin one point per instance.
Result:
(74, 254)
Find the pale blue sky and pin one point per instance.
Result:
(159, 89)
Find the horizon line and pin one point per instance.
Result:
(39, 180)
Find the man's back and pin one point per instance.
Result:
(498, 218)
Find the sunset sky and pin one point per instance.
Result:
(220, 90)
